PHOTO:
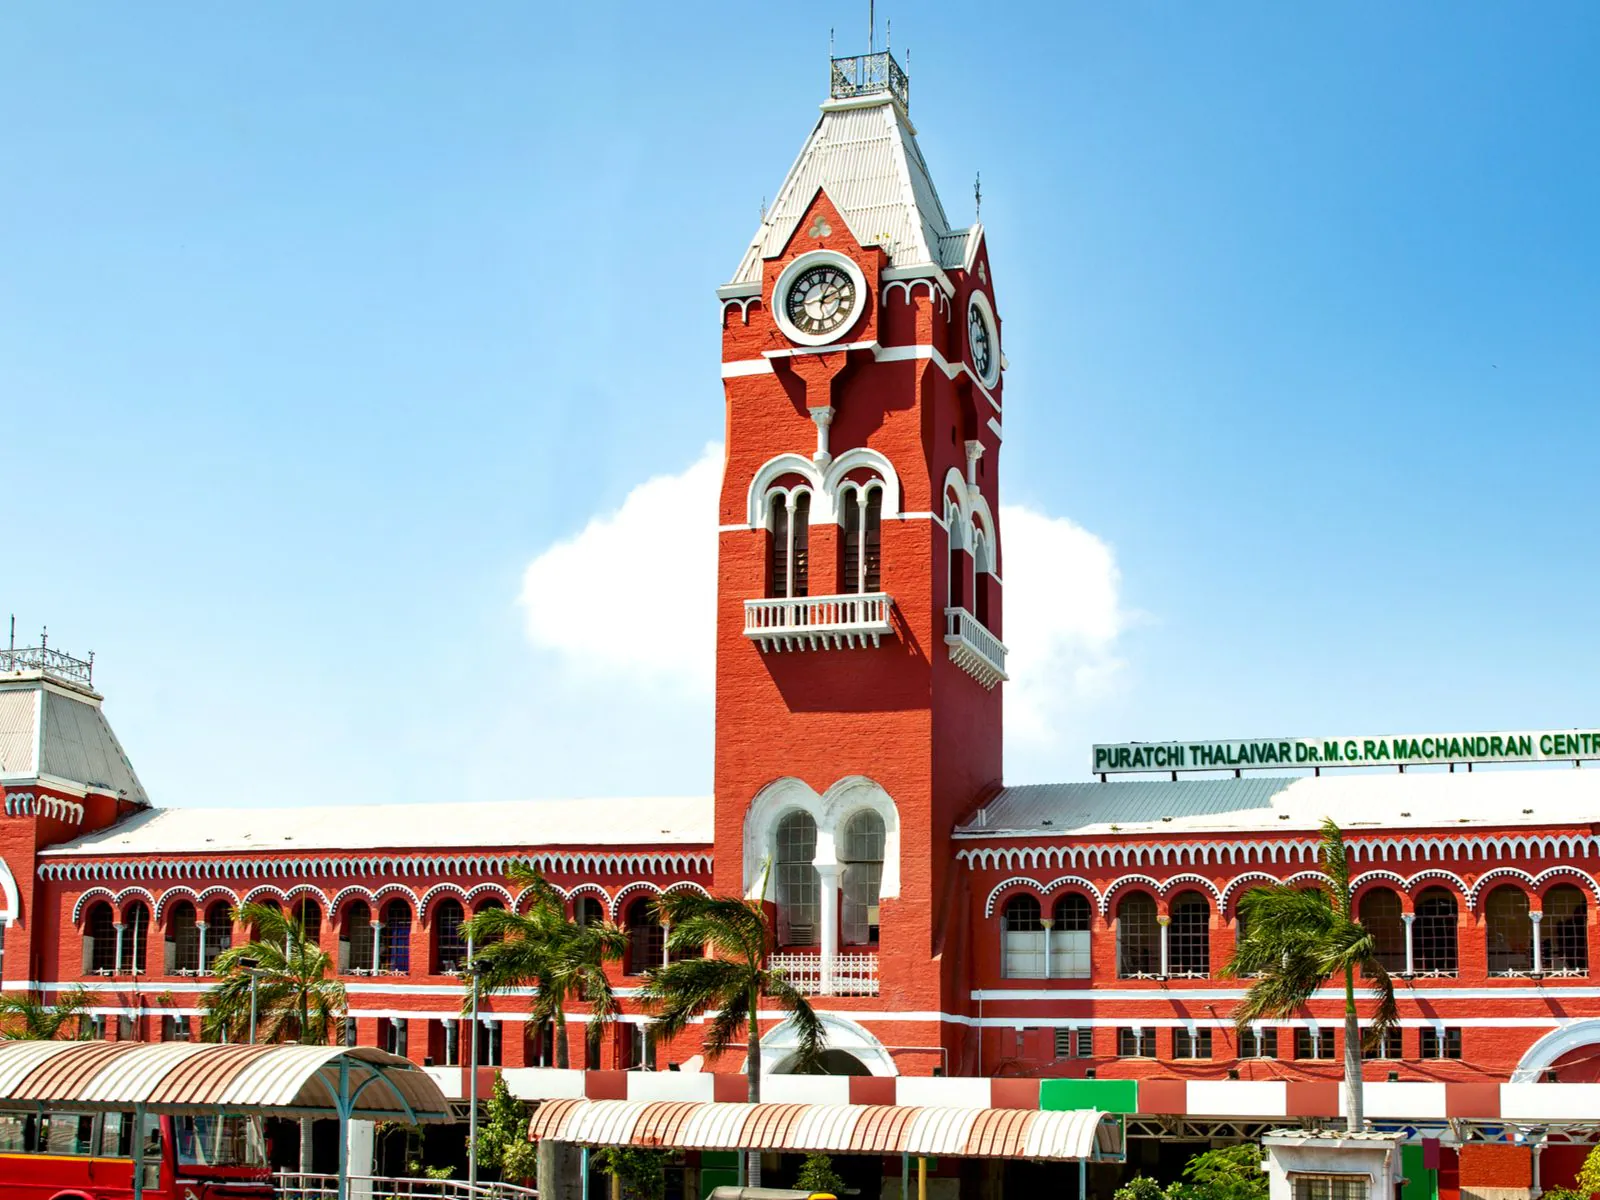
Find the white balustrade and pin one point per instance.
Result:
(819, 622)
(852, 974)
(973, 648)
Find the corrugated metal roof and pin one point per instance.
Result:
(837, 1128)
(19, 733)
(867, 159)
(78, 745)
(1417, 799)
(195, 1076)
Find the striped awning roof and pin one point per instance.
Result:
(834, 1128)
(199, 1076)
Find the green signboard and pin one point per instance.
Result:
(1549, 745)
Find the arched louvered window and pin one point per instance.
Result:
(861, 547)
(356, 938)
(1189, 949)
(1138, 936)
(135, 938)
(799, 886)
(1564, 932)
(1434, 933)
(1023, 938)
(183, 939)
(1379, 914)
(100, 931)
(394, 951)
(790, 559)
(1069, 938)
(861, 850)
(449, 942)
(646, 938)
(1509, 931)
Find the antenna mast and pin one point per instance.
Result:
(872, 23)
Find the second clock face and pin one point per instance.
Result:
(981, 341)
(821, 300)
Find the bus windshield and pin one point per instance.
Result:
(208, 1141)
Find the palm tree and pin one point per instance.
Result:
(729, 983)
(297, 997)
(25, 1017)
(541, 949)
(1295, 941)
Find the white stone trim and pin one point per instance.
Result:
(65, 867)
(1539, 1057)
(638, 885)
(799, 266)
(980, 301)
(496, 889)
(841, 1033)
(831, 810)
(1118, 885)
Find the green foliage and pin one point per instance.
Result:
(642, 1172)
(25, 1017)
(503, 1143)
(1229, 1173)
(298, 997)
(1589, 1174)
(817, 1175)
(1564, 1193)
(1140, 1187)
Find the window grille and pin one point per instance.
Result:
(1024, 938)
(1387, 1046)
(1189, 948)
(799, 886)
(358, 937)
(135, 938)
(1379, 914)
(862, 855)
(184, 934)
(1564, 932)
(175, 1029)
(449, 919)
(646, 938)
(1075, 1043)
(1330, 1187)
(1136, 1043)
(1191, 1043)
(1313, 1043)
(1440, 1043)
(1509, 931)
(101, 931)
(219, 930)
(791, 540)
(586, 910)
(1434, 933)
(1260, 1043)
(1069, 938)
(309, 913)
(1138, 936)
(394, 952)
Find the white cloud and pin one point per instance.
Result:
(632, 597)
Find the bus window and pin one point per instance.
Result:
(68, 1133)
(13, 1133)
(114, 1135)
(207, 1141)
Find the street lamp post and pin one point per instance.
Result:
(248, 966)
(472, 1086)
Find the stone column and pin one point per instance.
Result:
(1048, 923)
(117, 965)
(200, 928)
(377, 945)
(829, 917)
(1537, 916)
(1165, 922)
(1411, 959)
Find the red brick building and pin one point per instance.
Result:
(948, 924)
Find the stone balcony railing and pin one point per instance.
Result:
(849, 974)
(819, 622)
(973, 648)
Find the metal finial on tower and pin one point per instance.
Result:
(830, 43)
(977, 195)
(763, 220)
(872, 25)
(888, 35)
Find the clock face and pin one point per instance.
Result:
(980, 337)
(821, 300)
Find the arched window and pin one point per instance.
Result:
(309, 913)
(861, 547)
(960, 561)
(135, 938)
(1023, 951)
(790, 559)
(799, 886)
(1138, 936)
(394, 951)
(355, 938)
(1434, 933)
(219, 929)
(861, 850)
(1508, 930)
(100, 940)
(182, 940)
(449, 943)
(485, 904)
(646, 940)
(255, 929)
(1564, 932)
(1379, 914)
(1069, 938)
(980, 584)
(587, 910)
(1189, 948)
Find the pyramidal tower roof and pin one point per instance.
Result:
(864, 154)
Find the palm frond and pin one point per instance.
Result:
(682, 991)
(727, 926)
(810, 1037)
(1335, 865)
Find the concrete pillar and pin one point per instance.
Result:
(117, 966)
(200, 928)
(829, 917)
(361, 1141)
(1048, 923)
(1165, 922)
(1411, 959)
(377, 945)
(1537, 916)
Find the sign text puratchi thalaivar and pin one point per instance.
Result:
(1552, 745)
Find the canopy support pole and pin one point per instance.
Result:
(584, 1169)
(138, 1152)
(922, 1177)
(343, 1104)
(1083, 1179)
(905, 1177)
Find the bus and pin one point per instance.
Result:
(65, 1155)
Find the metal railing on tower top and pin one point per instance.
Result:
(14, 658)
(868, 75)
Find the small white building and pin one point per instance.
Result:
(1332, 1165)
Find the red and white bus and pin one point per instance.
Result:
(89, 1156)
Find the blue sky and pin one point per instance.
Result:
(321, 325)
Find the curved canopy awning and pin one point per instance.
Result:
(317, 1081)
(833, 1128)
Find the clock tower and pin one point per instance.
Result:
(859, 618)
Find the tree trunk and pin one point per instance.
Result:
(563, 1059)
(1354, 1116)
(752, 1068)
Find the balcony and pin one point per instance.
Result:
(973, 648)
(819, 622)
(851, 974)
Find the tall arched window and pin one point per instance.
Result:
(861, 850)
(1508, 930)
(646, 939)
(1434, 933)
(960, 568)
(183, 940)
(861, 547)
(100, 938)
(219, 930)
(394, 952)
(135, 938)
(1189, 948)
(449, 943)
(1069, 938)
(587, 910)
(980, 584)
(309, 913)
(791, 536)
(355, 939)
(1564, 932)
(1379, 914)
(1023, 951)
(1138, 936)
(799, 886)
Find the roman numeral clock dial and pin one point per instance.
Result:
(821, 300)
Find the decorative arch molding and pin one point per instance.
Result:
(640, 885)
(1543, 1054)
(1569, 874)
(1237, 884)
(1489, 879)
(1127, 880)
(353, 892)
(1440, 876)
(580, 890)
(306, 889)
(425, 905)
(493, 889)
(1316, 877)
(30, 804)
(743, 303)
(855, 459)
(1071, 881)
(763, 482)
(83, 901)
(685, 885)
(831, 811)
(839, 1033)
(1017, 883)
(908, 289)
(210, 870)
(217, 892)
(395, 889)
(264, 889)
(175, 893)
(1197, 882)
(136, 893)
